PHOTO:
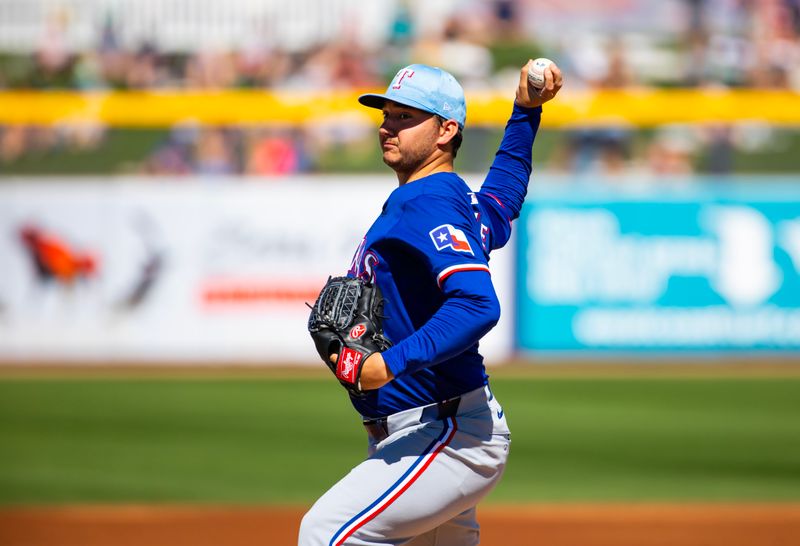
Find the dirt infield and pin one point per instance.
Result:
(539, 525)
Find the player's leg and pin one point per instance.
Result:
(421, 480)
(462, 530)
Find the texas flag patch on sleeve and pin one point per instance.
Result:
(446, 236)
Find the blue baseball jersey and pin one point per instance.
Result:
(428, 251)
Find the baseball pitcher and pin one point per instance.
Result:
(400, 331)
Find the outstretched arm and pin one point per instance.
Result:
(504, 189)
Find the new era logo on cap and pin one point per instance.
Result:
(424, 87)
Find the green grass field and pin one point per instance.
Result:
(284, 441)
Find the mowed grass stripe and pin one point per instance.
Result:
(652, 439)
(284, 441)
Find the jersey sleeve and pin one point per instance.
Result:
(445, 232)
(503, 191)
(470, 310)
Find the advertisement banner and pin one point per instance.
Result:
(184, 270)
(702, 268)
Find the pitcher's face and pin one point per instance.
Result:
(408, 136)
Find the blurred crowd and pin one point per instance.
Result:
(731, 43)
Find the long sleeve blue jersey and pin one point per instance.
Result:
(428, 251)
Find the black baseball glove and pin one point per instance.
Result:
(346, 320)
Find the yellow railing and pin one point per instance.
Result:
(642, 108)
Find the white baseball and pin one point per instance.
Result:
(536, 72)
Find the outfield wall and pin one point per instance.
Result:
(701, 268)
(219, 271)
(207, 270)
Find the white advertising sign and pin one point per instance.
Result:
(200, 271)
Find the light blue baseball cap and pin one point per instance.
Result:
(424, 87)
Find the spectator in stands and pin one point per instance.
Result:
(462, 51)
(600, 150)
(670, 153)
(506, 24)
(53, 59)
(13, 142)
(214, 152)
(145, 70)
(275, 151)
(732, 43)
(211, 69)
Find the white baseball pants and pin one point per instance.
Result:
(420, 485)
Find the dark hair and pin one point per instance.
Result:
(457, 140)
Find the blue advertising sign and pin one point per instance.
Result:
(697, 270)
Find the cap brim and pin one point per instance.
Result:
(373, 100)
